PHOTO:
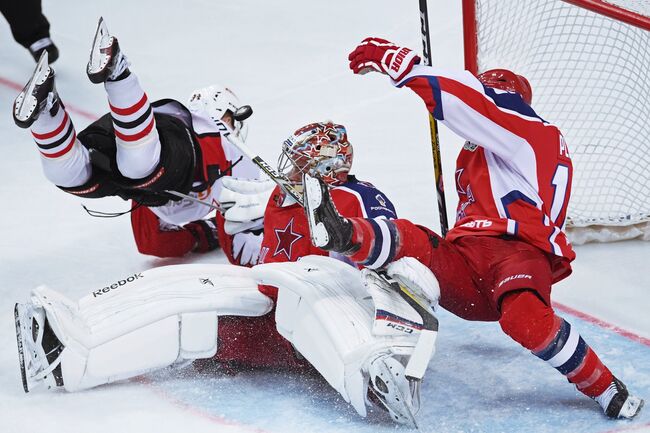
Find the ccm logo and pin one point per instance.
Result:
(120, 283)
(401, 328)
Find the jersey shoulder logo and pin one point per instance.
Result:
(286, 238)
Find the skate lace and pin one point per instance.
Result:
(121, 63)
(38, 367)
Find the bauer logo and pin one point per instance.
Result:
(399, 58)
(118, 284)
(514, 277)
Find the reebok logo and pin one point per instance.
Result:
(399, 58)
(120, 283)
(514, 277)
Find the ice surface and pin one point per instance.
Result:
(288, 60)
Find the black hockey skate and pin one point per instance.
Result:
(107, 62)
(35, 97)
(39, 349)
(329, 230)
(617, 402)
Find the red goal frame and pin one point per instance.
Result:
(599, 6)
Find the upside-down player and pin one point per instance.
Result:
(141, 151)
(508, 247)
(174, 314)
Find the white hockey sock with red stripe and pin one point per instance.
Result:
(65, 161)
(138, 144)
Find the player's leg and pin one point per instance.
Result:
(522, 284)
(38, 107)
(136, 135)
(374, 243)
(29, 27)
(143, 322)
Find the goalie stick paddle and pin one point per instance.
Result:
(433, 125)
(426, 345)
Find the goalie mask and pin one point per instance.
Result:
(509, 81)
(318, 149)
(222, 105)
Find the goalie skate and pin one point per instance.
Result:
(34, 97)
(327, 228)
(38, 348)
(389, 385)
(107, 62)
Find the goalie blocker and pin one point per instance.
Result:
(170, 315)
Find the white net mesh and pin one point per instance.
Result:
(591, 77)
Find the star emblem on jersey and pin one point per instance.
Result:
(286, 238)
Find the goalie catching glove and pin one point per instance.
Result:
(380, 55)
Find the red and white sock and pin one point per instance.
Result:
(535, 326)
(65, 161)
(138, 144)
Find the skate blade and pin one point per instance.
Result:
(26, 102)
(398, 408)
(631, 407)
(313, 198)
(98, 57)
(21, 348)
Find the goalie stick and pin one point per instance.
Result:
(282, 181)
(433, 125)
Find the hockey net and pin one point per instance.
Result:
(588, 62)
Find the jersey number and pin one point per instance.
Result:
(560, 184)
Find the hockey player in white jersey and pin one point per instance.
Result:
(163, 156)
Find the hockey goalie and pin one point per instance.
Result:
(367, 339)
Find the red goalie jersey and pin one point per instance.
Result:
(286, 231)
(255, 341)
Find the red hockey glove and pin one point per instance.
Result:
(205, 234)
(375, 54)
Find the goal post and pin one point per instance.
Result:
(588, 62)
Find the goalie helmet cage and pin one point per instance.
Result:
(588, 62)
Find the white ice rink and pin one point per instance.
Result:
(288, 59)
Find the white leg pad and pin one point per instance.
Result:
(324, 310)
(147, 321)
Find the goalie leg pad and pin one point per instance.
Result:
(166, 315)
(324, 310)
